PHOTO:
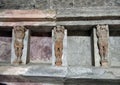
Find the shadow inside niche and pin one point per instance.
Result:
(3, 84)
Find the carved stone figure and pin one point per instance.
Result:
(103, 36)
(19, 34)
(58, 47)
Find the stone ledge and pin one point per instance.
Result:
(74, 14)
(66, 23)
(93, 73)
(94, 22)
(27, 15)
(89, 12)
(30, 23)
(47, 71)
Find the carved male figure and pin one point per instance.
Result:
(103, 36)
(19, 34)
(58, 47)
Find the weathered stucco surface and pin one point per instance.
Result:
(79, 51)
(114, 50)
(53, 4)
(41, 49)
(5, 49)
(87, 13)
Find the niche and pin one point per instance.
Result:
(79, 51)
(41, 46)
(5, 44)
(114, 47)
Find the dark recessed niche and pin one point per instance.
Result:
(5, 44)
(114, 47)
(79, 46)
(79, 33)
(41, 47)
(114, 33)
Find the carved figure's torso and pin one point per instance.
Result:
(58, 47)
(103, 36)
(19, 33)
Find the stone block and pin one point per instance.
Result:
(58, 4)
(42, 4)
(112, 3)
(88, 3)
(24, 4)
(55, 4)
(16, 4)
(96, 3)
(27, 15)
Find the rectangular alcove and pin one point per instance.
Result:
(41, 46)
(5, 44)
(114, 48)
(79, 51)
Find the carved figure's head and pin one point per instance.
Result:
(19, 31)
(102, 27)
(59, 29)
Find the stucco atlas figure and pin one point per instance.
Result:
(59, 36)
(103, 38)
(19, 32)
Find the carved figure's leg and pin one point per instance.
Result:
(16, 53)
(101, 49)
(61, 51)
(104, 61)
(56, 49)
(20, 54)
(106, 51)
(58, 54)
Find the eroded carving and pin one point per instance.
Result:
(103, 36)
(19, 34)
(58, 47)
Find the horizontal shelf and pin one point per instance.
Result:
(74, 14)
(33, 71)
